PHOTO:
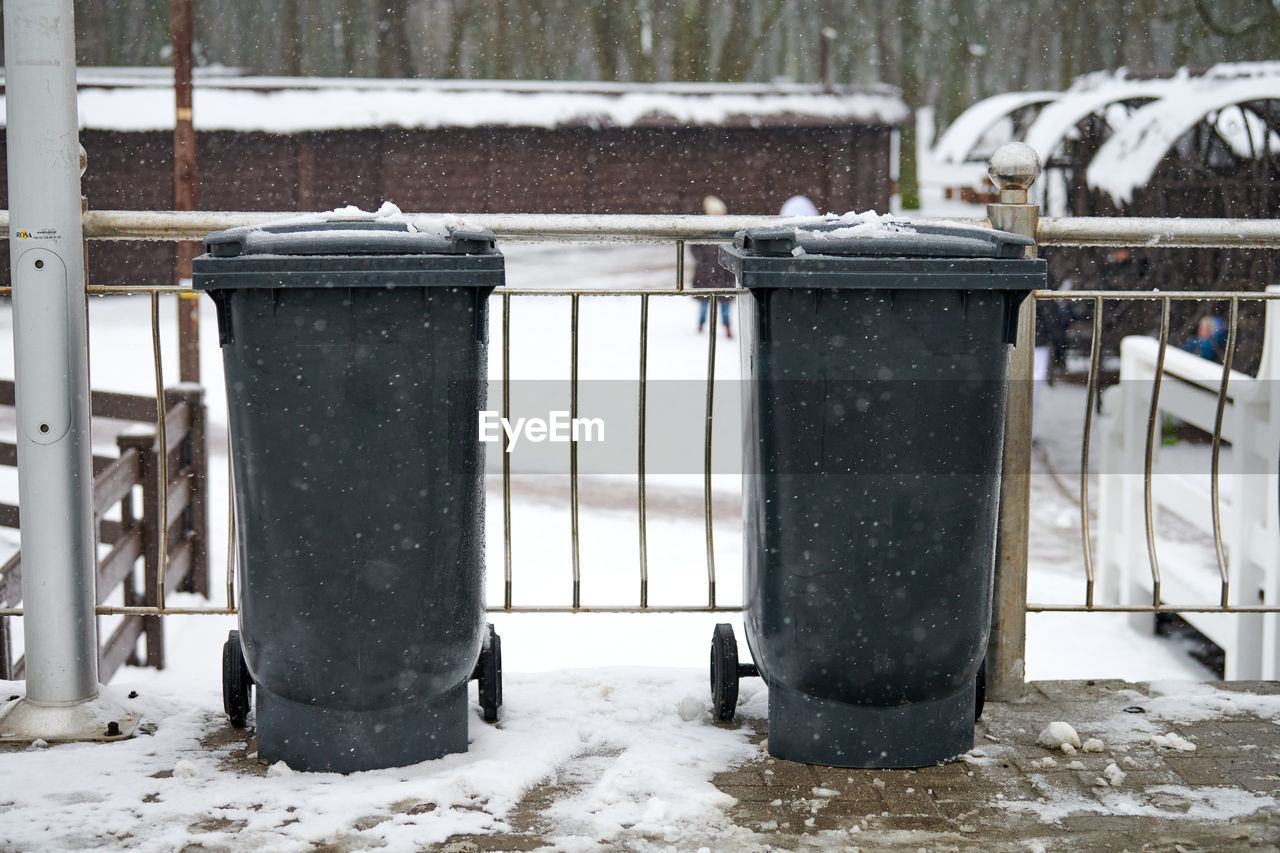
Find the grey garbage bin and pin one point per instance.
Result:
(355, 355)
(875, 361)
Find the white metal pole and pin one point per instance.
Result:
(55, 470)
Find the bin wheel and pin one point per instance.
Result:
(237, 684)
(980, 691)
(724, 672)
(489, 674)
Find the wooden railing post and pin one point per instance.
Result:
(6, 649)
(145, 443)
(194, 464)
(130, 524)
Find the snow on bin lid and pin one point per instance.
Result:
(870, 234)
(351, 231)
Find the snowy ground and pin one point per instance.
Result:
(632, 687)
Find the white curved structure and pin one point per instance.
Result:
(958, 143)
(1059, 119)
(1129, 158)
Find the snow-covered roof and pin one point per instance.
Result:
(121, 99)
(1129, 158)
(1222, 72)
(957, 144)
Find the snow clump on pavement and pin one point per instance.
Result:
(1173, 740)
(1059, 735)
(690, 709)
(1093, 744)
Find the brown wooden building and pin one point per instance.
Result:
(478, 147)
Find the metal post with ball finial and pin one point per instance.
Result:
(1013, 169)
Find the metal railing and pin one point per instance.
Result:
(681, 230)
(1221, 398)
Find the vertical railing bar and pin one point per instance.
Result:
(1218, 547)
(706, 455)
(1152, 427)
(162, 439)
(506, 452)
(640, 442)
(573, 453)
(680, 265)
(1095, 360)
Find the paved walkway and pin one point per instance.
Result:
(1215, 785)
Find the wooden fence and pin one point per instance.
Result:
(120, 481)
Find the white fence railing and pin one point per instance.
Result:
(1230, 502)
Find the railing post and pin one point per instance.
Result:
(63, 701)
(146, 443)
(6, 649)
(129, 524)
(1013, 169)
(195, 462)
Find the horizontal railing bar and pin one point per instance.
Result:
(1151, 608)
(107, 610)
(1119, 231)
(1151, 232)
(1078, 295)
(630, 608)
(112, 405)
(609, 291)
(537, 227)
(1157, 295)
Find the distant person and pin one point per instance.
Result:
(1210, 341)
(798, 205)
(707, 271)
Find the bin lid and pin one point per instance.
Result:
(345, 251)
(882, 237)
(867, 251)
(337, 236)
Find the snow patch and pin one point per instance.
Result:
(1170, 802)
(853, 224)
(613, 736)
(293, 106)
(1058, 735)
(1173, 740)
(690, 708)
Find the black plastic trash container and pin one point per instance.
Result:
(355, 361)
(875, 361)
